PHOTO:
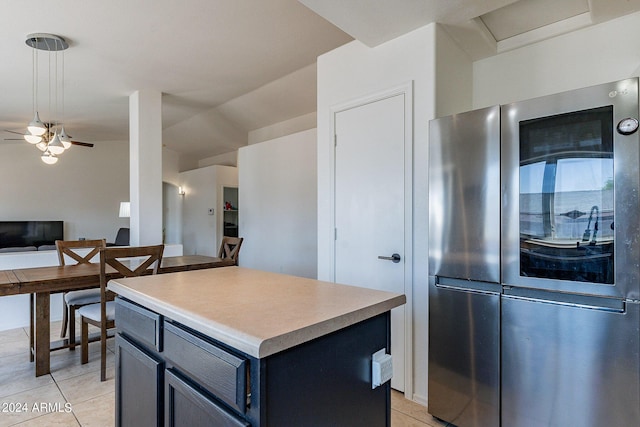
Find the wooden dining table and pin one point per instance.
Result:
(43, 281)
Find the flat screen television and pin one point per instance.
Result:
(30, 233)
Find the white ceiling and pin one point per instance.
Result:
(226, 67)
(481, 28)
(523, 16)
(199, 53)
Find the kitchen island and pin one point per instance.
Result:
(239, 347)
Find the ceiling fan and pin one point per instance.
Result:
(46, 137)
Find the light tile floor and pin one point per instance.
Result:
(72, 395)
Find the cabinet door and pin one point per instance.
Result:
(187, 406)
(138, 385)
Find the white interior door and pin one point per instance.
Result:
(370, 206)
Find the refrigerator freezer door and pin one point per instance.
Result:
(564, 365)
(464, 356)
(464, 196)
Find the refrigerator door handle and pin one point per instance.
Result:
(574, 300)
(467, 285)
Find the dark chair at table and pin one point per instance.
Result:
(230, 248)
(71, 301)
(102, 314)
(122, 238)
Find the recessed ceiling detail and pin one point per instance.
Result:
(527, 15)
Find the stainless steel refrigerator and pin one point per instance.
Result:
(568, 312)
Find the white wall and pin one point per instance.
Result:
(278, 187)
(287, 127)
(454, 76)
(84, 189)
(267, 133)
(227, 159)
(171, 214)
(353, 71)
(606, 52)
(171, 201)
(170, 166)
(201, 232)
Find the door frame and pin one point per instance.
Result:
(405, 89)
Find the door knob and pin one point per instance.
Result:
(395, 258)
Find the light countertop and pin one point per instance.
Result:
(256, 312)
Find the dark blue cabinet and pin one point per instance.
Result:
(170, 375)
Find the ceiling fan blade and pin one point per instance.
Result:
(83, 144)
(14, 139)
(12, 131)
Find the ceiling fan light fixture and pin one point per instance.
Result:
(36, 127)
(49, 158)
(51, 144)
(32, 139)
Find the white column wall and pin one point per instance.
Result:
(145, 157)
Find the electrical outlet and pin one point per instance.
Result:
(381, 368)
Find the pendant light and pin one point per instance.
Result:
(62, 135)
(49, 158)
(46, 136)
(64, 138)
(35, 127)
(55, 145)
(32, 139)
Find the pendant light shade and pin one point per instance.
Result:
(36, 127)
(49, 158)
(64, 138)
(42, 146)
(55, 145)
(32, 139)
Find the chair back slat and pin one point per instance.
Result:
(131, 255)
(230, 248)
(113, 255)
(70, 247)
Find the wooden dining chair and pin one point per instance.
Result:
(72, 250)
(146, 260)
(230, 248)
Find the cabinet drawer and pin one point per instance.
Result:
(222, 373)
(186, 406)
(139, 323)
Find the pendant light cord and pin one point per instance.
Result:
(49, 119)
(34, 82)
(62, 88)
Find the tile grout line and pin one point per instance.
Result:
(73, 412)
